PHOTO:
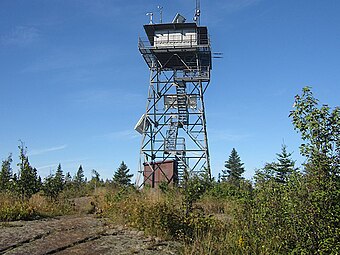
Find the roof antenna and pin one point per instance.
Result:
(151, 17)
(197, 12)
(160, 13)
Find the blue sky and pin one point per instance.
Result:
(73, 84)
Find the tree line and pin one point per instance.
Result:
(26, 181)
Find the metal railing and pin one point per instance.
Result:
(144, 43)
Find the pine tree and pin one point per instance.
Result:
(234, 168)
(122, 177)
(95, 180)
(48, 187)
(79, 177)
(29, 182)
(59, 179)
(54, 184)
(68, 178)
(37, 180)
(285, 165)
(68, 182)
(6, 174)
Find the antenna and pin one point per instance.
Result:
(217, 54)
(151, 17)
(197, 12)
(160, 14)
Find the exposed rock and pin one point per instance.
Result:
(84, 234)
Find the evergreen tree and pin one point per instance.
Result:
(96, 175)
(49, 188)
(234, 168)
(15, 184)
(37, 180)
(59, 179)
(68, 178)
(79, 177)
(54, 184)
(29, 182)
(6, 175)
(95, 180)
(122, 177)
(283, 168)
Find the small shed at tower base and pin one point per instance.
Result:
(156, 173)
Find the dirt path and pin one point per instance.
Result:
(84, 234)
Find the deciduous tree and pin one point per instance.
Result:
(319, 127)
(320, 131)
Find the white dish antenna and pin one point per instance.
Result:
(179, 19)
(143, 124)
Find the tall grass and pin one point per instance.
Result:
(157, 213)
(273, 218)
(210, 228)
(14, 208)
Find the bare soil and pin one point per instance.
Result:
(80, 234)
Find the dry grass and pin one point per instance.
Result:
(14, 208)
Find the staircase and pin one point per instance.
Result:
(173, 144)
(171, 138)
(181, 167)
(182, 105)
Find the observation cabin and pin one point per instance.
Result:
(176, 46)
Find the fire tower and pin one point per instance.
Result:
(173, 127)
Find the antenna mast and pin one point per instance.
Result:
(150, 14)
(160, 13)
(197, 12)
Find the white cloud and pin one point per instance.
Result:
(66, 165)
(20, 35)
(46, 150)
(119, 135)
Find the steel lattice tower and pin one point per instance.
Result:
(173, 128)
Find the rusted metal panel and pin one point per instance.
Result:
(158, 172)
